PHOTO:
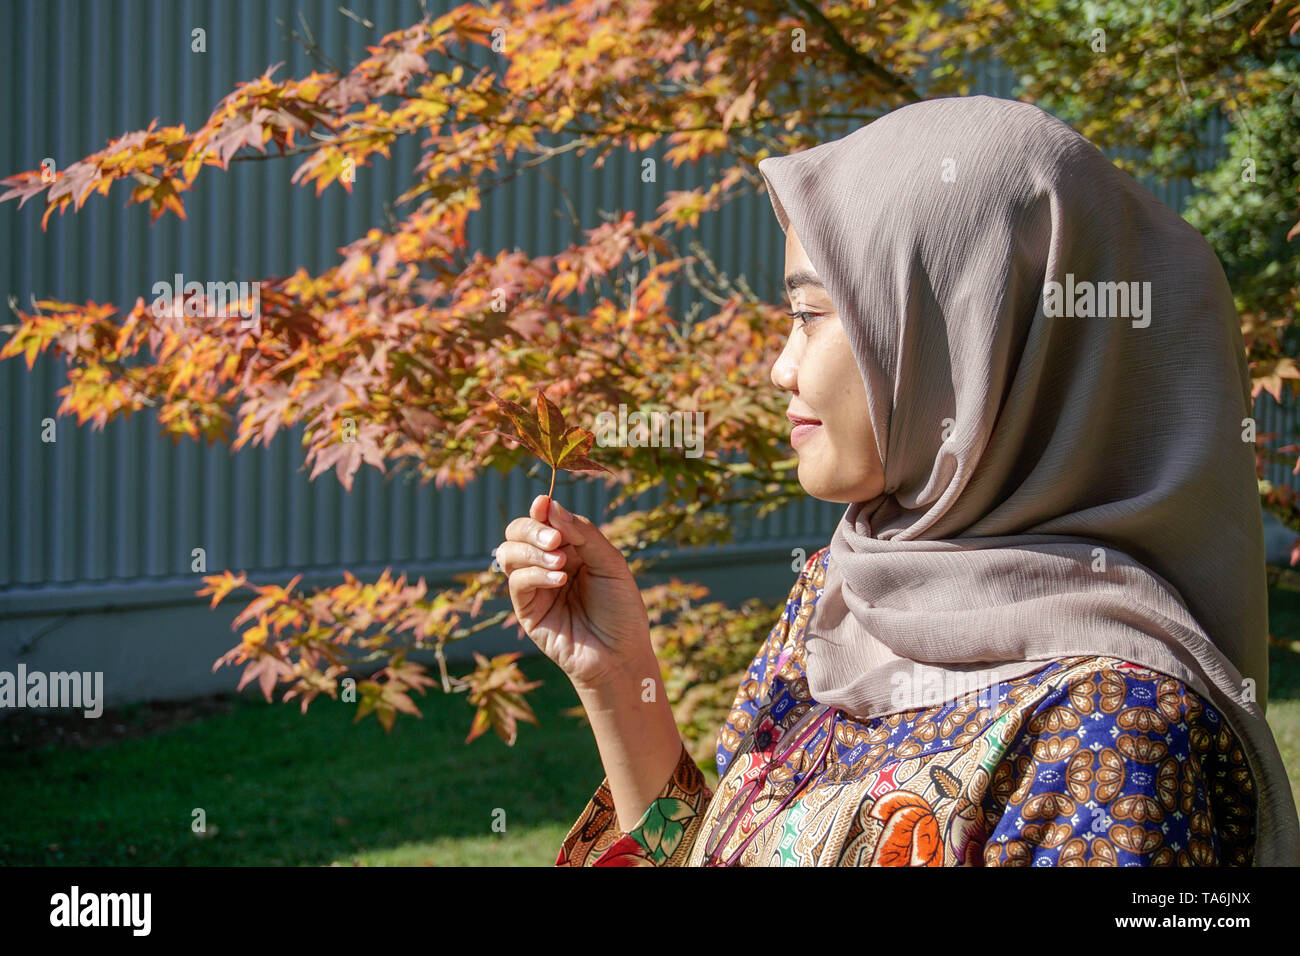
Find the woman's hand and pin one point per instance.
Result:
(592, 621)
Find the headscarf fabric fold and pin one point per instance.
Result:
(1058, 390)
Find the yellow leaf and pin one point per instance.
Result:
(563, 284)
(562, 116)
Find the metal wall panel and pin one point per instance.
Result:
(103, 519)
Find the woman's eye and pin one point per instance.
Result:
(802, 317)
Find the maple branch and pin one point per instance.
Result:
(303, 150)
(352, 16)
(857, 58)
(442, 667)
(700, 286)
(313, 48)
(540, 158)
(720, 277)
(574, 220)
(463, 632)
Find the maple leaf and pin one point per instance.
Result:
(1269, 376)
(547, 436)
(739, 109)
(23, 186)
(269, 670)
(496, 688)
(411, 675)
(219, 585)
(385, 700)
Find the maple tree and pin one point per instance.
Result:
(406, 350)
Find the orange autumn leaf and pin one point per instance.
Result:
(496, 689)
(219, 585)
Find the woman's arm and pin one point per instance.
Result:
(636, 734)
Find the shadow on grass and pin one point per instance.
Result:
(280, 787)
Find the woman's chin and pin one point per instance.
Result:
(815, 480)
(819, 479)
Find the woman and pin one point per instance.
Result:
(1038, 634)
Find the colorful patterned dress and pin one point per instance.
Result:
(1088, 761)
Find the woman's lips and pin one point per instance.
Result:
(802, 431)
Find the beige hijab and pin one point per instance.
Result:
(1065, 472)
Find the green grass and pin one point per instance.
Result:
(1284, 681)
(283, 788)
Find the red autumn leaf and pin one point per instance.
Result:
(547, 436)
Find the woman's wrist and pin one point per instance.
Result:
(636, 735)
(634, 675)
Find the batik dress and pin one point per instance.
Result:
(1088, 761)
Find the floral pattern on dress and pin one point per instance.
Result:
(1087, 761)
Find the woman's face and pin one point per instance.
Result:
(837, 457)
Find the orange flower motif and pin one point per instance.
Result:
(911, 834)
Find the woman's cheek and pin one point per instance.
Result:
(830, 434)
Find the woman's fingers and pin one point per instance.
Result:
(524, 584)
(595, 550)
(550, 548)
(534, 532)
(512, 555)
(529, 579)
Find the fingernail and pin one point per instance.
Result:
(555, 576)
(559, 508)
(551, 559)
(548, 538)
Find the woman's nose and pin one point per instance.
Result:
(785, 370)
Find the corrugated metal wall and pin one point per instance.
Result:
(100, 519)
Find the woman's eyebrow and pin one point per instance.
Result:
(804, 278)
